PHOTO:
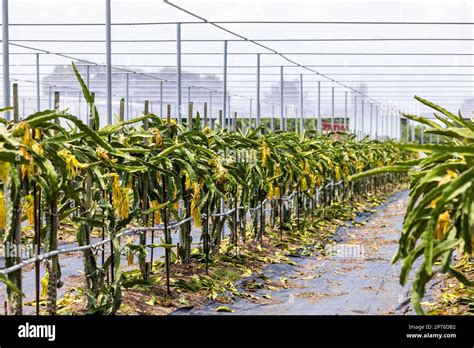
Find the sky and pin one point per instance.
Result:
(390, 85)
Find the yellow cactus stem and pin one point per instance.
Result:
(124, 207)
(44, 285)
(26, 138)
(307, 169)
(101, 153)
(345, 169)
(4, 171)
(277, 192)
(442, 225)
(271, 192)
(187, 182)
(120, 199)
(319, 180)
(219, 169)
(265, 153)
(29, 209)
(38, 148)
(195, 212)
(278, 171)
(303, 184)
(3, 211)
(320, 167)
(434, 201)
(450, 175)
(172, 122)
(27, 170)
(157, 213)
(157, 136)
(130, 257)
(72, 164)
(337, 173)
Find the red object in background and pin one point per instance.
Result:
(326, 127)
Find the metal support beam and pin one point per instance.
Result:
(362, 120)
(228, 116)
(250, 114)
(355, 115)
(377, 122)
(371, 121)
(332, 109)
(6, 58)
(407, 130)
(258, 91)
(178, 72)
(282, 105)
(224, 83)
(345, 111)
(108, 59)
(210, 105)
(161, 98)
(127, 94)
(38, 95)
(272, 121)
(320, 122)
(301, 105)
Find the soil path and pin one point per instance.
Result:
(355, 277)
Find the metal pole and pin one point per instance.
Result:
(332, 109)
(258, 91)
(38, 102)
(6, 59)
(272, 123)
(320, 122)
(371, 121)
(377, 122)
(49, 96)
(161, 98)
(345, 111)
(250, 114)
(127, 95)
(301, 105)
(362, 123)
(228, 118)
(224, 83)
(189, 95)
(178, 70)
(210, 106)
(282, 107)
(407, 130)
(108, 59)
(355, 115)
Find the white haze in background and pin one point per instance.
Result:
(93, 11)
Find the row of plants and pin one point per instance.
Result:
(151, 171)
(438, 229)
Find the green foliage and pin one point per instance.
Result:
(440, 215)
